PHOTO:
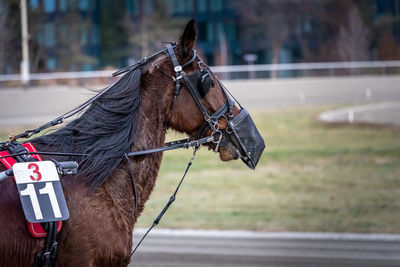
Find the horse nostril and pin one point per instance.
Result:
(233, 151)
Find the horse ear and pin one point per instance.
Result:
(188, 38)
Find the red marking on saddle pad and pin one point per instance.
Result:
(35, 229)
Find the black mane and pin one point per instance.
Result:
(106, 130)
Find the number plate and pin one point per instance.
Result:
(40, 191)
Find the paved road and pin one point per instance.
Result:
(229, 248)
(316, 91)
(41, 104)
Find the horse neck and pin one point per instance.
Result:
(150, 134)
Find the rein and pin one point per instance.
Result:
(170, 201)
(183, 143)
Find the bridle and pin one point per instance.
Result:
(191, 83)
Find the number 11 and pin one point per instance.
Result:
(30, 191)
(47, 189)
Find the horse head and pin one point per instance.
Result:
(196, 102)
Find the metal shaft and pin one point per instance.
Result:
(25, 49)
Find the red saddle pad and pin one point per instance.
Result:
(35, 229)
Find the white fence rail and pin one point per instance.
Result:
(308, 66)
(330, 66)
(60, 75)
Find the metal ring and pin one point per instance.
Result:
(220, 136)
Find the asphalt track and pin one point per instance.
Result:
(241, 248)
(37, 105)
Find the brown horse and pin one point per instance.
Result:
(133, 115)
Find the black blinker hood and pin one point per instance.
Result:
(247, 138)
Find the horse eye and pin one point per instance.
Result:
(204, 84)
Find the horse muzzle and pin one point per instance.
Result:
(246, 138)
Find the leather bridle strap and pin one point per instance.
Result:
(196, 96)
(180, 74)
(211, 119)
(177, 69)
(217, 114)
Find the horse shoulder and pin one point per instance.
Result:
(17, 246)
(99, 228)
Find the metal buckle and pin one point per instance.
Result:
(178, 68)
(217, 142)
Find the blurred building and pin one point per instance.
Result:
(217, 28)
(71, 35)
(90, 34)
(65, 34)
(79, 30)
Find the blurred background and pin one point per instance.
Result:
(321, 80)
(70, 35)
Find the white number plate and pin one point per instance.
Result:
(40, 191)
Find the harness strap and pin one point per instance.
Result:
(170, 201)
(16, 148)
(187, 144)
(137, 64)
(46, 257)
(183, 143)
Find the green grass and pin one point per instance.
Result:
(311, 177)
